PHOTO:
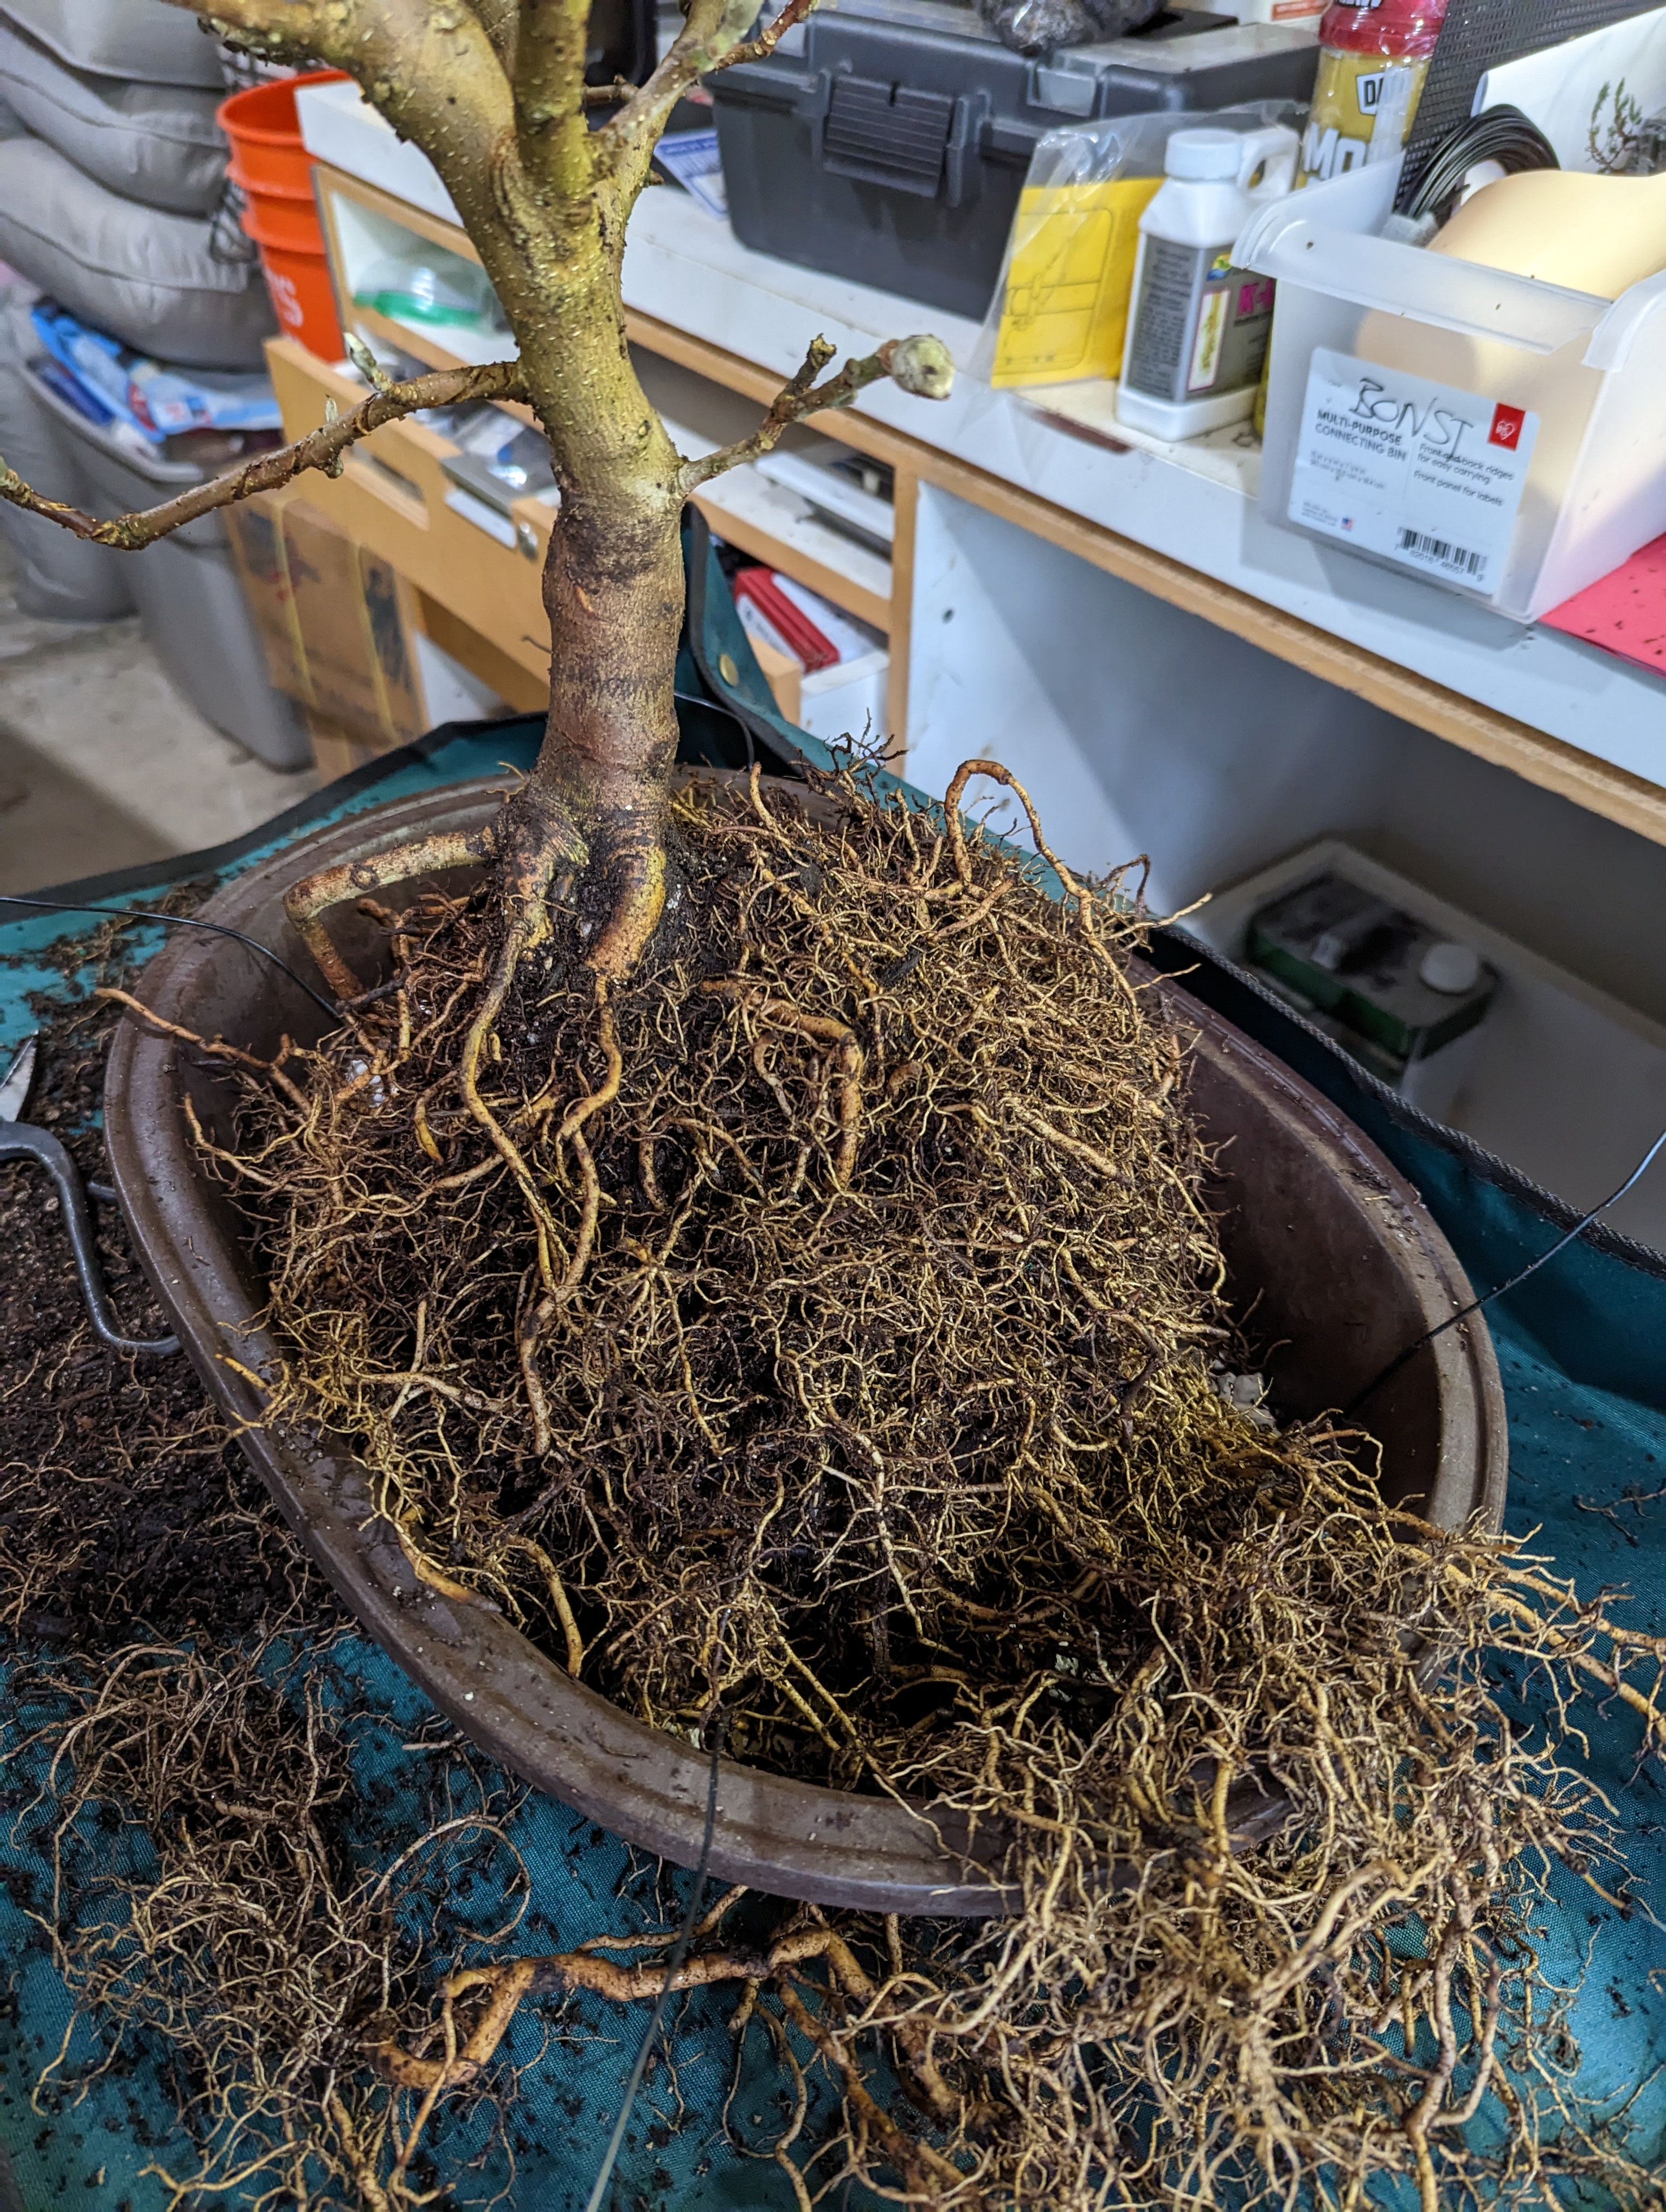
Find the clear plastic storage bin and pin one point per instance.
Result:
(1502, 437)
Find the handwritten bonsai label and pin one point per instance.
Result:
(1416, 472)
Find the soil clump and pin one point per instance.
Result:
(125, 1506)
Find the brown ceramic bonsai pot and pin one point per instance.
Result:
(1340, 1260)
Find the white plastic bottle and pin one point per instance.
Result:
(1198, 326)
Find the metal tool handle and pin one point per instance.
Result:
(20, 1138)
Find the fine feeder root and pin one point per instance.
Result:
(825, 1324)
(254, 1949)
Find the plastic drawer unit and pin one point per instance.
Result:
(1500, 437)
(887, 140)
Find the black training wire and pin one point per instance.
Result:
(181, 922)
(1520, 1276)
(722, 707)
(1501, 134)
(679, 1951)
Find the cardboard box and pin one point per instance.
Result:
(336, 751)
(337, 624)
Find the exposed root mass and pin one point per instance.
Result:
(826, 1327)
(846, 1279)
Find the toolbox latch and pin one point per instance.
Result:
(886, 134)
(897, 135)
(963, 165)
(1065, 90)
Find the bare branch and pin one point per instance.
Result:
(609, 95)
(554, 137)
(918, 365)
(501, 20)
(323, 448)
(759, 49)
(713, 29)
(366, 363)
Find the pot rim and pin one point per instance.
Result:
(796, 1839)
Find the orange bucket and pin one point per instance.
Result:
(265, 135)
(274, 172)
(285, 219)
(304, 299)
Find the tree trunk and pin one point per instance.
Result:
(613, 588)
(613, 584)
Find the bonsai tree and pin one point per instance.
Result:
(812, 1312)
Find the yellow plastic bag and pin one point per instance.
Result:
(1066, 313)
(1060, 312)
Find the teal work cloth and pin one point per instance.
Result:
(1580, 1349)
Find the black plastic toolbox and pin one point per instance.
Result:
(887, 140)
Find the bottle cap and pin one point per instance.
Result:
(1398, 30)
(1450, 968)
(1204, 157)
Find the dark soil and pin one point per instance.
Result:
(126, 1509)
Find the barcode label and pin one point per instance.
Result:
(1404, 470)
(1442, 550)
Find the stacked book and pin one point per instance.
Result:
(826, 669)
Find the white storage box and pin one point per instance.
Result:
(846, 704)
(1501, 437)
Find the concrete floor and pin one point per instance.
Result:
(103, 764)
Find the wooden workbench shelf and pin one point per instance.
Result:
(688, 265)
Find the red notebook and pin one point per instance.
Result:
(1625, 611)
(801, 636)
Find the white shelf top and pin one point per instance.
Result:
(1194, 502)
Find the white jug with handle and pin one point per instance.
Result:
(1198, 326)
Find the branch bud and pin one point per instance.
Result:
(365, 362)
(922, 365)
